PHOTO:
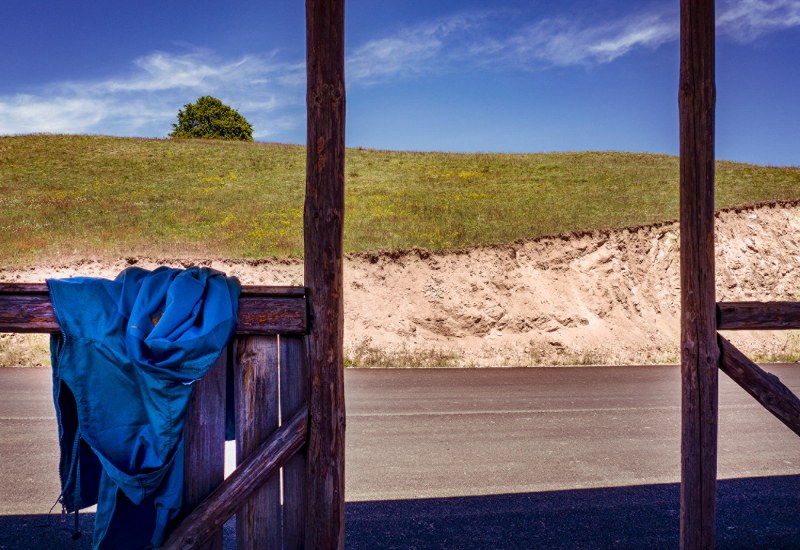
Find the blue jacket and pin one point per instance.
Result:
(123, 366)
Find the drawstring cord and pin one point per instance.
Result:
(77, 502)
(76, 461)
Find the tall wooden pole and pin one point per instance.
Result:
(324, 224)
(699, 351)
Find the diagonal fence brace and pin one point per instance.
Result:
(220, 505)
(765, 387)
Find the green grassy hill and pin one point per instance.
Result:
(98, 196)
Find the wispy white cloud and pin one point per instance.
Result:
(410, 51)
(161, 71)
(746, 20)
(392, 56)
(649, 31)
(499, 38)
(506, 40)
(144, 100)
(29, 113)
(562, 42)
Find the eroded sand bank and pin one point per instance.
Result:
(609, 297)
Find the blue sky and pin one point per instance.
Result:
(509, 75)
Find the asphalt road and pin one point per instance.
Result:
(506, 458)
(555, 458)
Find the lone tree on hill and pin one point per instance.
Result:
(210, 118)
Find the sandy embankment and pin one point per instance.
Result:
(601, 297)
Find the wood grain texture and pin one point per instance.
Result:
(213, 512)
(699, 351)
(262, 310)
(766, 388)
(247, 290)
(204, 442)
(758, 315)
(273, 291)
(261, 522)
(258, 520)
(24, 288)
(294, 384)
(323, 229)
(27, 313)
(271, 315)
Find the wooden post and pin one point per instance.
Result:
(323, 221)
(699, 352)
(204, 441)
(258, 520)
(293, 399)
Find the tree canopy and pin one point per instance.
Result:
(209, 118)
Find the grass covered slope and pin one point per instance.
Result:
(103, 196)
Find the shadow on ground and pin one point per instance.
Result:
(54, 532)
(752, 513)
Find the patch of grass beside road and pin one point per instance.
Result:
(788, 353)
(94, 196)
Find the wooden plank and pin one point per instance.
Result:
(271, 315)
(27, 313)
(22, 311)
(204, 442)
(766, 388)
(23, 288)
(758, 315)
(294, 384)
(258, 520)
(273, 291)
(247, 290)
(699, 351)
(323, 222)
(213, 512)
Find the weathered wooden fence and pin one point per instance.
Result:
(288, 369)
(268, 361)
(267, 491)
(703, 351)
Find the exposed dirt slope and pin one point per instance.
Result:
(602, 297)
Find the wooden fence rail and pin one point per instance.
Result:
(758, 315)
(267, 491)
(26, 307)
